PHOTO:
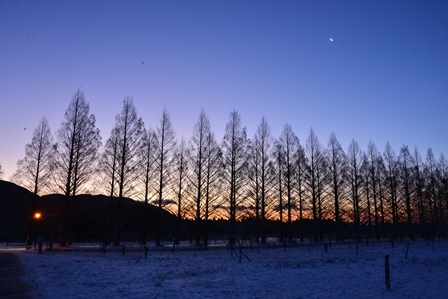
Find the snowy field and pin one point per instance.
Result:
(299, 272)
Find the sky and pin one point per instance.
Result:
(383, 77)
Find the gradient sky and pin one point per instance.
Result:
(384, 77)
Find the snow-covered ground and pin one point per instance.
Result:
(292, 273)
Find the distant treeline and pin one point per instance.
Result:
(238, 178)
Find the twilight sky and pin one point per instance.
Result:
(383, 77)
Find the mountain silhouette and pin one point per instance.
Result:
(95, 217)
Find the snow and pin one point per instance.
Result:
(291, 272)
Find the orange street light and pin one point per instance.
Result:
(37, 215)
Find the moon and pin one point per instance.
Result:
(331, 39)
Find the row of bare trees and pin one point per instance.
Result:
(262, 178)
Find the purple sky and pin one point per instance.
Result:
(384, 77)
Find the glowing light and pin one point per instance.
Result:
(37, 215)
(331, 39)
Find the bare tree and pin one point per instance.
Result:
(234, 145)
(391, 182)
(212, 188)
(366, 194)
(300, 183)
(126, 146)
(337, 168)
(441, 173)
(131, 129)
(431, 193)
(280, 170)
(372, 157)
(165, 143)
(289, 143)
(405, 165)
(109, 162)
(315, 176)
(354, 178)
(76, 156)
(33, 171)
(261, 173)
(148, 173)
(443, 181)
(1, 172)
(108, 169)
(198, 155)
(300, 179)
(419, 186)
(181, 166)
(254, 185)
(380, 169)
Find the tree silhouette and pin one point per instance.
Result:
(76, 155)
(181, 174)
(212, 187)
(354, 178)
(337, 168)
(441, 188)
(244, 181)
(419, 186)
(280, 170)
(372, 157)
(391, 182)
(199, 150)
(235, 161)
(164, 145)
(380, 174)
(33, 171)
(300, 182)
(148, 173)
(262, 174)
(431, 193)
(125, 146)
(366, 195)
(131, 129)
(289, 144)
(108, 175)
(405, 164)
(235, 147)
(314, 157)
(109, 162)
(443, 181)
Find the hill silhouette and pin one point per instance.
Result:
(94, 216)
(15, 212)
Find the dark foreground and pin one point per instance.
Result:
(12, 283)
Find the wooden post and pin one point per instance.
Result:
(123, 249)
(146, 251)
(387, 273)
